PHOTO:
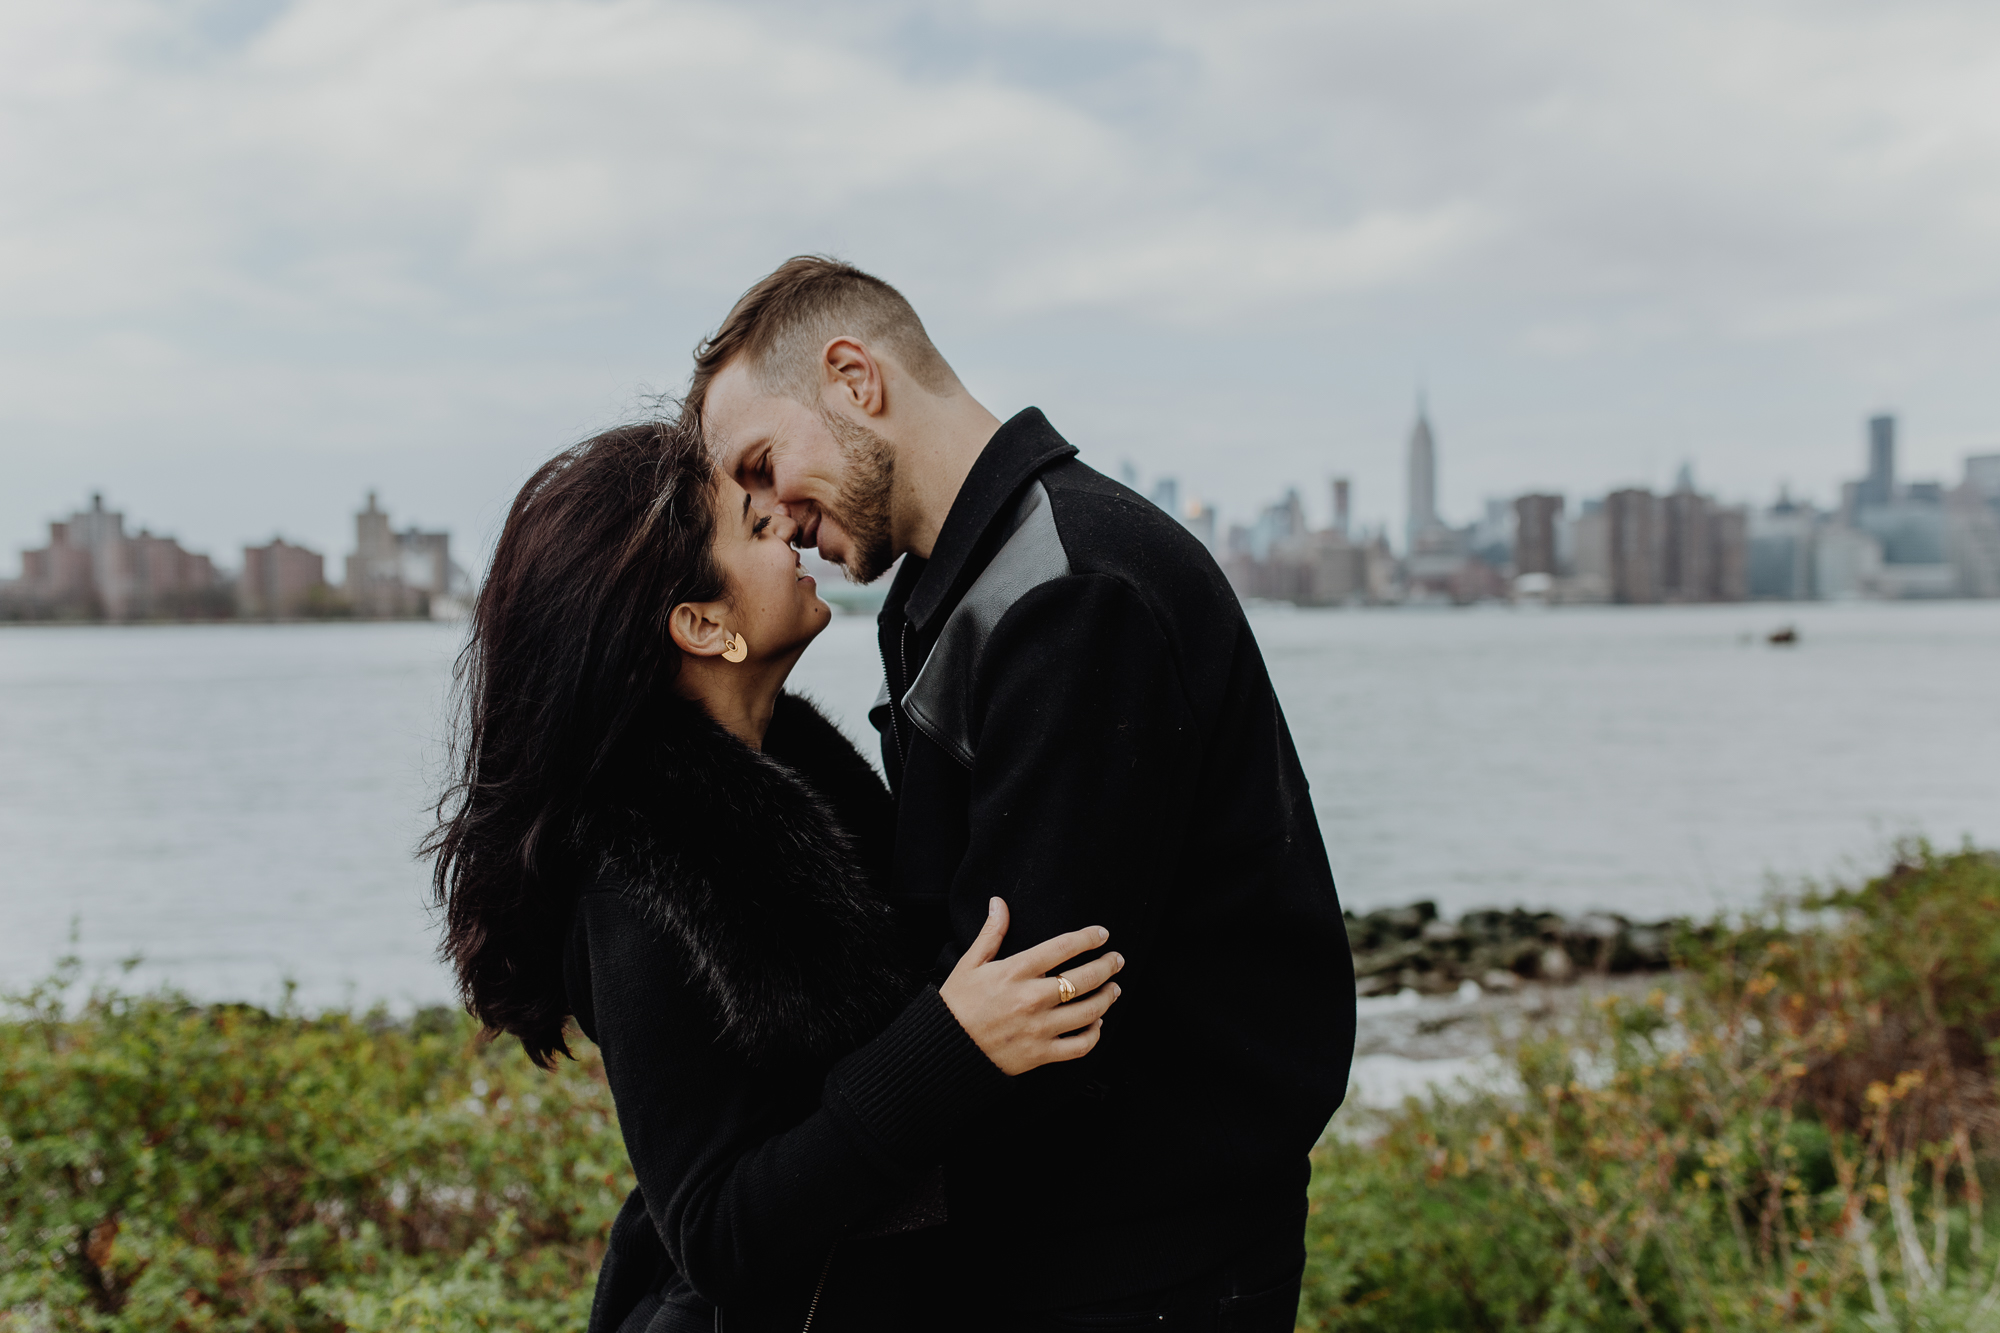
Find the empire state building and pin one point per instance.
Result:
(1423, 517)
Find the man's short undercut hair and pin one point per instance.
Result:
(784, 322)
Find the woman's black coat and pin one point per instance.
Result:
(782, 1082)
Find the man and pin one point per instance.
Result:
(1076, 720)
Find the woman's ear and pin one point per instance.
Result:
(696, 628)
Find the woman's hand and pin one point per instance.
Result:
(1010, 1007)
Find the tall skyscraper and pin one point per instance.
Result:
(1879, 488)
(1635, 545)
(1687, 546)
(1729, 559)
(1535, 533)
(1423, 517)
(1340, 505)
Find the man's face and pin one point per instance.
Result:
(829, 474)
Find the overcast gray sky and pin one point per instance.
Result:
(257, 257)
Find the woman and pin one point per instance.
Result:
(647, 834)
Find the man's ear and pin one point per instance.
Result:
(856, 375)
(696, 628)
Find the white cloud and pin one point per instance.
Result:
(420, 225)
(1196, 267)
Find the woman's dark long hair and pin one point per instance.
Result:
(569, 648)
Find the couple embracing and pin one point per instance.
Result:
(1036, 1036)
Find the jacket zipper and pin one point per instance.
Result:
(818, 1291)
(896, 687)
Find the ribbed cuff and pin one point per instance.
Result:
(911, 1087)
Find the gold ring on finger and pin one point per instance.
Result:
(1065, 990)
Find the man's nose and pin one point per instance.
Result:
(787, 527)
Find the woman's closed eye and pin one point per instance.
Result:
(762, 523)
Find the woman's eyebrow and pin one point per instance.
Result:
(746, 504)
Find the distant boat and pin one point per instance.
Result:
(1784, 634)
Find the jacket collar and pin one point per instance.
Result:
(1022, 447)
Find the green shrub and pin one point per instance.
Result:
(1791, 1135)
(1793, 1138)
(168, 1165)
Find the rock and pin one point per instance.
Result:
(1597, 926)
(1392, 959)
(1592, 939)
(1492, 925)
(1411, 920)
(1500, 980)
(1646, 949)
(1512, 956)
(1412, 948)
(1437, 981)
(1379, 984)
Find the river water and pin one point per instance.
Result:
(238, 805)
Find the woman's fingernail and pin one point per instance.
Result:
(1102, 934)
(1117, 961)
(993, 907)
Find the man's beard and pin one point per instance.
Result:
(862, 506)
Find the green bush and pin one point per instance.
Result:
(1795, 1137)
(168, 1165)
(1795, 1133)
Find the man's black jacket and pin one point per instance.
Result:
(1077, 719)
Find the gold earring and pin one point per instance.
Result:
(738, 649)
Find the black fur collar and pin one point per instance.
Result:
(741, 862)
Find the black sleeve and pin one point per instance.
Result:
(1084, 776)
(737, 1198)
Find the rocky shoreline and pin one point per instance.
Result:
(1414, 949)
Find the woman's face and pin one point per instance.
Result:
(773, 602)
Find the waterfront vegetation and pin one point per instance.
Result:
(1800, 1128)
(1801, 1132)
(172, 1166)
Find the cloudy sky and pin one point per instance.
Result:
(257, 257)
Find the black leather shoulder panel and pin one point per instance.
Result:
(939, 701)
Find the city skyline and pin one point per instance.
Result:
(125, 511)
(1879, 443)
(91, 568)
(1398, 518)
(1890, 536)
